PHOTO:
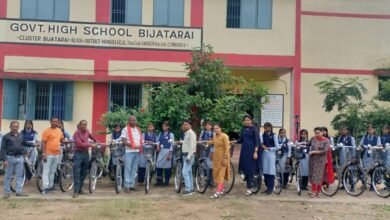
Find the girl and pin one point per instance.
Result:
(150, 137)
(30, 136)
(319, 146)
(221, 159)
(285, 156)
(206, 135)
(347, 140)
(385, 139)
(115, 136)
(270, 145)
(369, 139)
(164, 159)
(304, 163)
(249, 154)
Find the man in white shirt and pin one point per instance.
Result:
(132, 139)
(188, 149)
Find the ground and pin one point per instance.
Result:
(164, 203)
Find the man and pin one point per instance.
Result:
(188, 149)
(81, 156)
(51, 150)
(12, 152)
(132, 139)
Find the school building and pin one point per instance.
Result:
(77, 58)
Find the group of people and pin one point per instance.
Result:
(258, 152)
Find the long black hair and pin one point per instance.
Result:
(269, 125)
(325, 129)
(32, 126)
(300, 135)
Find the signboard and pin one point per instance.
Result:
(99, 35)
(273, 111)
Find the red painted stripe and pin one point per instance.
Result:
(3, 8)
(338, 71)
(100, 106)
(297, 68)
(101, 68)
(197, 7)
(345, 15)
(103, 11)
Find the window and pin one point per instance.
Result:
(37, 100)
(45, 9)
(250, 14)
(126, 11)
(168, 12)
(125, 95)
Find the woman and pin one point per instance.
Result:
(30, 137)
(319, 146)
(150, 138)
(270, 144)
(385, 139)
(221, 159)
(285, 156)
(346, 140)
(369, 139)
(206, 135)
(249, 154)
(304, 162)
(164, 159)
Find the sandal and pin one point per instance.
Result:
(216, 195)
(248, 192)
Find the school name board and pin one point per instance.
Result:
(273, 111)
(99, 35)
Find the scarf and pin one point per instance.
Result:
(132, 143)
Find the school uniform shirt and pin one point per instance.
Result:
(152, 137)
(165, 141)
(270, 140)
(372, 140)
(205, 154)
(346, 153)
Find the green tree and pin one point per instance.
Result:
(384, 94)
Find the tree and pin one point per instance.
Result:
(384, 93)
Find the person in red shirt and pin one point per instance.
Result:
(81, 157)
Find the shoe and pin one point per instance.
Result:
(75, 196)
(133, 189)
(6, 195)
(45, 191)
(127, 190)
(187, 193)
(21, 194)
(248, 192)
(265, 191)
(268, 193)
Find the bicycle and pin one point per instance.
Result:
(149, 151)
(279, 179)
(177, 148)
(118, 151)
(201, 168)
(256, 180)
(354, 177)
(331, 189)
(96, 165)
(380, 180)
(299, 150)
(228, 184)
(66, 168)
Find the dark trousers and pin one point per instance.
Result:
(269, 181)
(249, 181)
(285, 179)
(167, 173)
(305, 181)
(141, 174)
(210, 179)
(80, 169)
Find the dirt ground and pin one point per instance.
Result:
(164, 203)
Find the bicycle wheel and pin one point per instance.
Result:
(256, 184)
(298, 179)
(147, 177)
(118, 177)
(178, 176)
(201, 176)
(381, 181)
(331, 189)
(228, 184)
(278, 186)
(13, 181)
(92, 177)
(354, 180)
(38, 176)
(66, 176)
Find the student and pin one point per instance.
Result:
(385, 139)
(164, 159)
(115, 137)
(346, 140)
(30, 137)
(369, 139)
(270, 144)
(285, 156)
(206, 135)
(150, 138)
(250, 152)
(304, 163)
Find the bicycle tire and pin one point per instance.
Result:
(278, 187)
(118, 177)
(92, 177)
(228, 186)
(38, 177)
(201, 177)
(147, 177)
(257, 181)
(357, 173)
(13, 181)
(66, 177)
(383, 174)
(331, 189)
(298, 180)
(178, 176)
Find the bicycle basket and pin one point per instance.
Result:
(201, 150)
(298, 154)
(118, 151)
(148, 150)
(176, 150)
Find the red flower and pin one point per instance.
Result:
(142, 110)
